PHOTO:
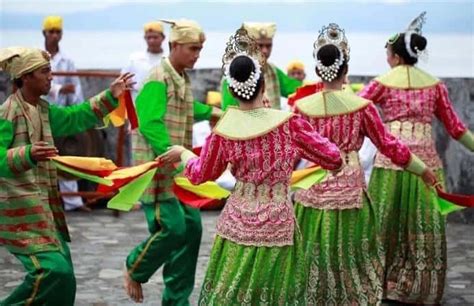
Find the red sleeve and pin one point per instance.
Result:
(445, 112)
(385, 142)
(313, 146)
(374, 91)
(210, 164)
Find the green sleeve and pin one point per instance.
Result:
(78, 118)
(416, 165)
(467, 139)
(151, 106)
(288, 85)
(13, 161)
(227, 98)
(202, 111)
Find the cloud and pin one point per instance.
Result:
(64, 7)
(72, 6)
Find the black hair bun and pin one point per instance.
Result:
(418, 42)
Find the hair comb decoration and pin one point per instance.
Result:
(241, 44)
(415, 27)
(331, 35)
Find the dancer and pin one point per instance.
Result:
(32, 223)
(338, 222)
(413, 229)
(166, 111)
(257, 255)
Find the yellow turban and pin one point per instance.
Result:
(52, 23)
(185, 31)
(295, 65)
(18, 61)
(155, 26)
(214, 98)
(258, 30)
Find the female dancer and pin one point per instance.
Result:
(413, 229)
(257, 257)
(337, 220)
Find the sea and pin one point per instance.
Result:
(449, 55)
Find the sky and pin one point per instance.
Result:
(357, 15)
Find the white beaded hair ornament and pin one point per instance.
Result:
(415, 27)
(331, 35)
(241, 44)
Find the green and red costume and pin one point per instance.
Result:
(166, 111)
(32, 222)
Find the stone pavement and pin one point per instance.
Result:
(101, 242)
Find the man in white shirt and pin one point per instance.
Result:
(140, 63)
(65, 91)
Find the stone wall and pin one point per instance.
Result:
(458, 162)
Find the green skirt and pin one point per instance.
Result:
(344, 255)
(413, 236)
(251, 275)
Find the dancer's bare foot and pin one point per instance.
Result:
(133, 288)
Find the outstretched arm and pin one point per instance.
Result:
(388, 144)
(313, 146)
(446, 114)
(81, 117)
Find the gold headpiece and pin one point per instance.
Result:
(331, 35)
(241, 44)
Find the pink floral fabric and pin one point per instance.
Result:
(345, 189)
(259, 211)
(409, 114)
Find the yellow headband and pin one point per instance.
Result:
(185, 31)
(214, 98)
(295, 65)
(259, 30)
(18, 61)
(155, 26)
(52, 23)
